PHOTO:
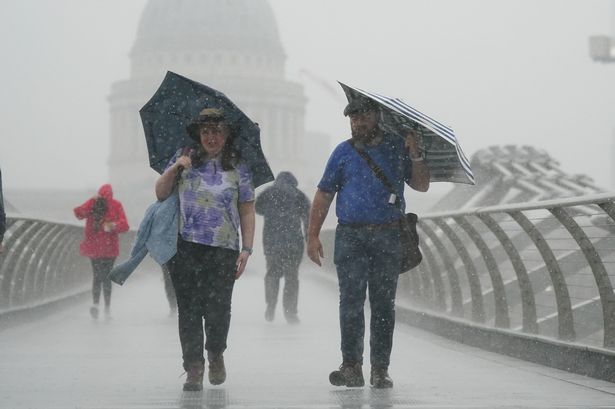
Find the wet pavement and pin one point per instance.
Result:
(133, 360)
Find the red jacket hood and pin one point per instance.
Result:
(106, 192)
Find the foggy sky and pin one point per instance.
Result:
(498, 72)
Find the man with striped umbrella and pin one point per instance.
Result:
(367, 240)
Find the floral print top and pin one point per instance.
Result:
(209, 199)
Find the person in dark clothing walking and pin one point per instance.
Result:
(2, 216)
(284, 208)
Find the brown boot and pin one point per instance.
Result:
(194, 379)
(350, 374)
(217, 371)
(380, 378)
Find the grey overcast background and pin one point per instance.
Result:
(498, 71)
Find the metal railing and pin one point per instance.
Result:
(533, 281)
(543, 268)
(41, 264)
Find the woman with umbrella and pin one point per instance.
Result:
(216, 197)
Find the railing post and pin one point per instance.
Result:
(502, 320)
(439, 292)
(605, 288)
(39, 264)
(562, 298)
(14, 245)
(528, 301)
(43, 280)
(23, 266)
(449, 266)
(478, 308)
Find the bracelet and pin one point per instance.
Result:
(247, 250)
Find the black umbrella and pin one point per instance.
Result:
(176, 103)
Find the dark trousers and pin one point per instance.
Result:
(203, 278)
(283, 264)
(168, 288)
(101, 268)
(367, 259)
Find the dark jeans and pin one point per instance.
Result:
(283, 264)
(203, 278)
(101, 268)
(367, 258)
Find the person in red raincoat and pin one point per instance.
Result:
(104, 220)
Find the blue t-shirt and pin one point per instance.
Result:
(361, 196)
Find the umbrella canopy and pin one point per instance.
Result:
(176, 103)
(443, 155)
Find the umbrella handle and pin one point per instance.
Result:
(421, 136)
(186, 151)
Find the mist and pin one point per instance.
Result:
(498, 72)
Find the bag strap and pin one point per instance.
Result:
(378, 172)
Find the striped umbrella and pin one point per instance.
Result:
(443, 155)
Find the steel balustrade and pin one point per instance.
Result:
(41, 263)
(535, 276)
(449, 268)
(533, 281)
(543, 268)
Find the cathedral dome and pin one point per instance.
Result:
(203, 32)
(230, 45)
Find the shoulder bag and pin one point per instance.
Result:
(411, 253)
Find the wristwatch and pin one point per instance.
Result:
(247, 250)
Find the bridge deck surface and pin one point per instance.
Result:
(133, 361)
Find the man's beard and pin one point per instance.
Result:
(364, 137)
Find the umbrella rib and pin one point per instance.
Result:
(415, 112)
(447, 131)
(418, 115)
(403, 108)
(465, 163)
(175, 104)
(464, 160)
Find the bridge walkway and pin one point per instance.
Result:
(132, 360)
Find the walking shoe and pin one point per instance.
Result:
(350, 375)
(380, 378)
(94, 311)
(292, 318)
(194, 379)
(217, 371)
(269, 314)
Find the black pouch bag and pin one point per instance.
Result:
(409, 237)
